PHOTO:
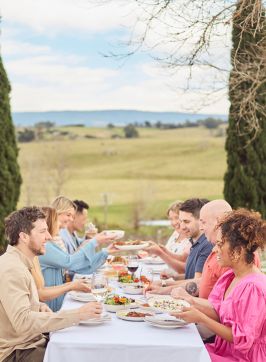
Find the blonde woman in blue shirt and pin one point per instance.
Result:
(56, 259)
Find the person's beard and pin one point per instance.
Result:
(36, 251)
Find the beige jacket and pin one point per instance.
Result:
(21, 322)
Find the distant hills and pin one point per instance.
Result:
(102, 118)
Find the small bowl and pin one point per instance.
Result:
(114, 308)
(117, 234)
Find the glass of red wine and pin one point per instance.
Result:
(132, 265)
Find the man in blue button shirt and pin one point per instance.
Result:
(200, 249)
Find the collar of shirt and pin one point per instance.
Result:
(12, 249)
(198, 241)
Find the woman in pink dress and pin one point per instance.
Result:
(236, 308)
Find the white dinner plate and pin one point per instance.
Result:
(94, 321)
(166, 325)
(82, 297)
(122, 314)
(152, 260)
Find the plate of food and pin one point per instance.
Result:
(124, 278)
(166, 322)
(131, 245)
(81, 296)
(114, 303)
(136, 315)
(133, 289)
(116, 234)
(143, 304)
(105, 317)
(167, 304)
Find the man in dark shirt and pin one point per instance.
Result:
(200, 249)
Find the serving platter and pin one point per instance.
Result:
(131, 245)
(167, 304)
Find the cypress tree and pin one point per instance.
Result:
(10, 179)
(245, 178)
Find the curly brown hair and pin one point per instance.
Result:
(21, 221)
(244, 229)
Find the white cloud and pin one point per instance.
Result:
(58, 83)
(57, 16)
(44, 79)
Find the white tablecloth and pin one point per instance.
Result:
(124, 341)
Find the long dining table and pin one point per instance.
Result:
(124, 341)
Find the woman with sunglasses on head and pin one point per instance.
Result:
(49, 293)
(56, 259)
(236, 308)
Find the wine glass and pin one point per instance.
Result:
(146, 277)
(99, 286)
(132, 265)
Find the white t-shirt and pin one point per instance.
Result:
(177, 247)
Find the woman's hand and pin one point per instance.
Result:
(190, 315)
(103, 238)
(90, 310)
(180, 293)
(80, 285)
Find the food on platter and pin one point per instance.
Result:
(115, 303)
(125, 277)
(131, 244)
(167, 304)
(118, 300)
(135, 314)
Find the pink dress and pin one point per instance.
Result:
(244, 309)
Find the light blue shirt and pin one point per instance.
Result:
(71, 241)
(55, 260)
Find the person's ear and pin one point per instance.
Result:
(23, 237)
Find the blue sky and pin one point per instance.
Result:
(51, 51)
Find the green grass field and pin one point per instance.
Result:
(139, 176)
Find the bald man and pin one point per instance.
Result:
(210, 215)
